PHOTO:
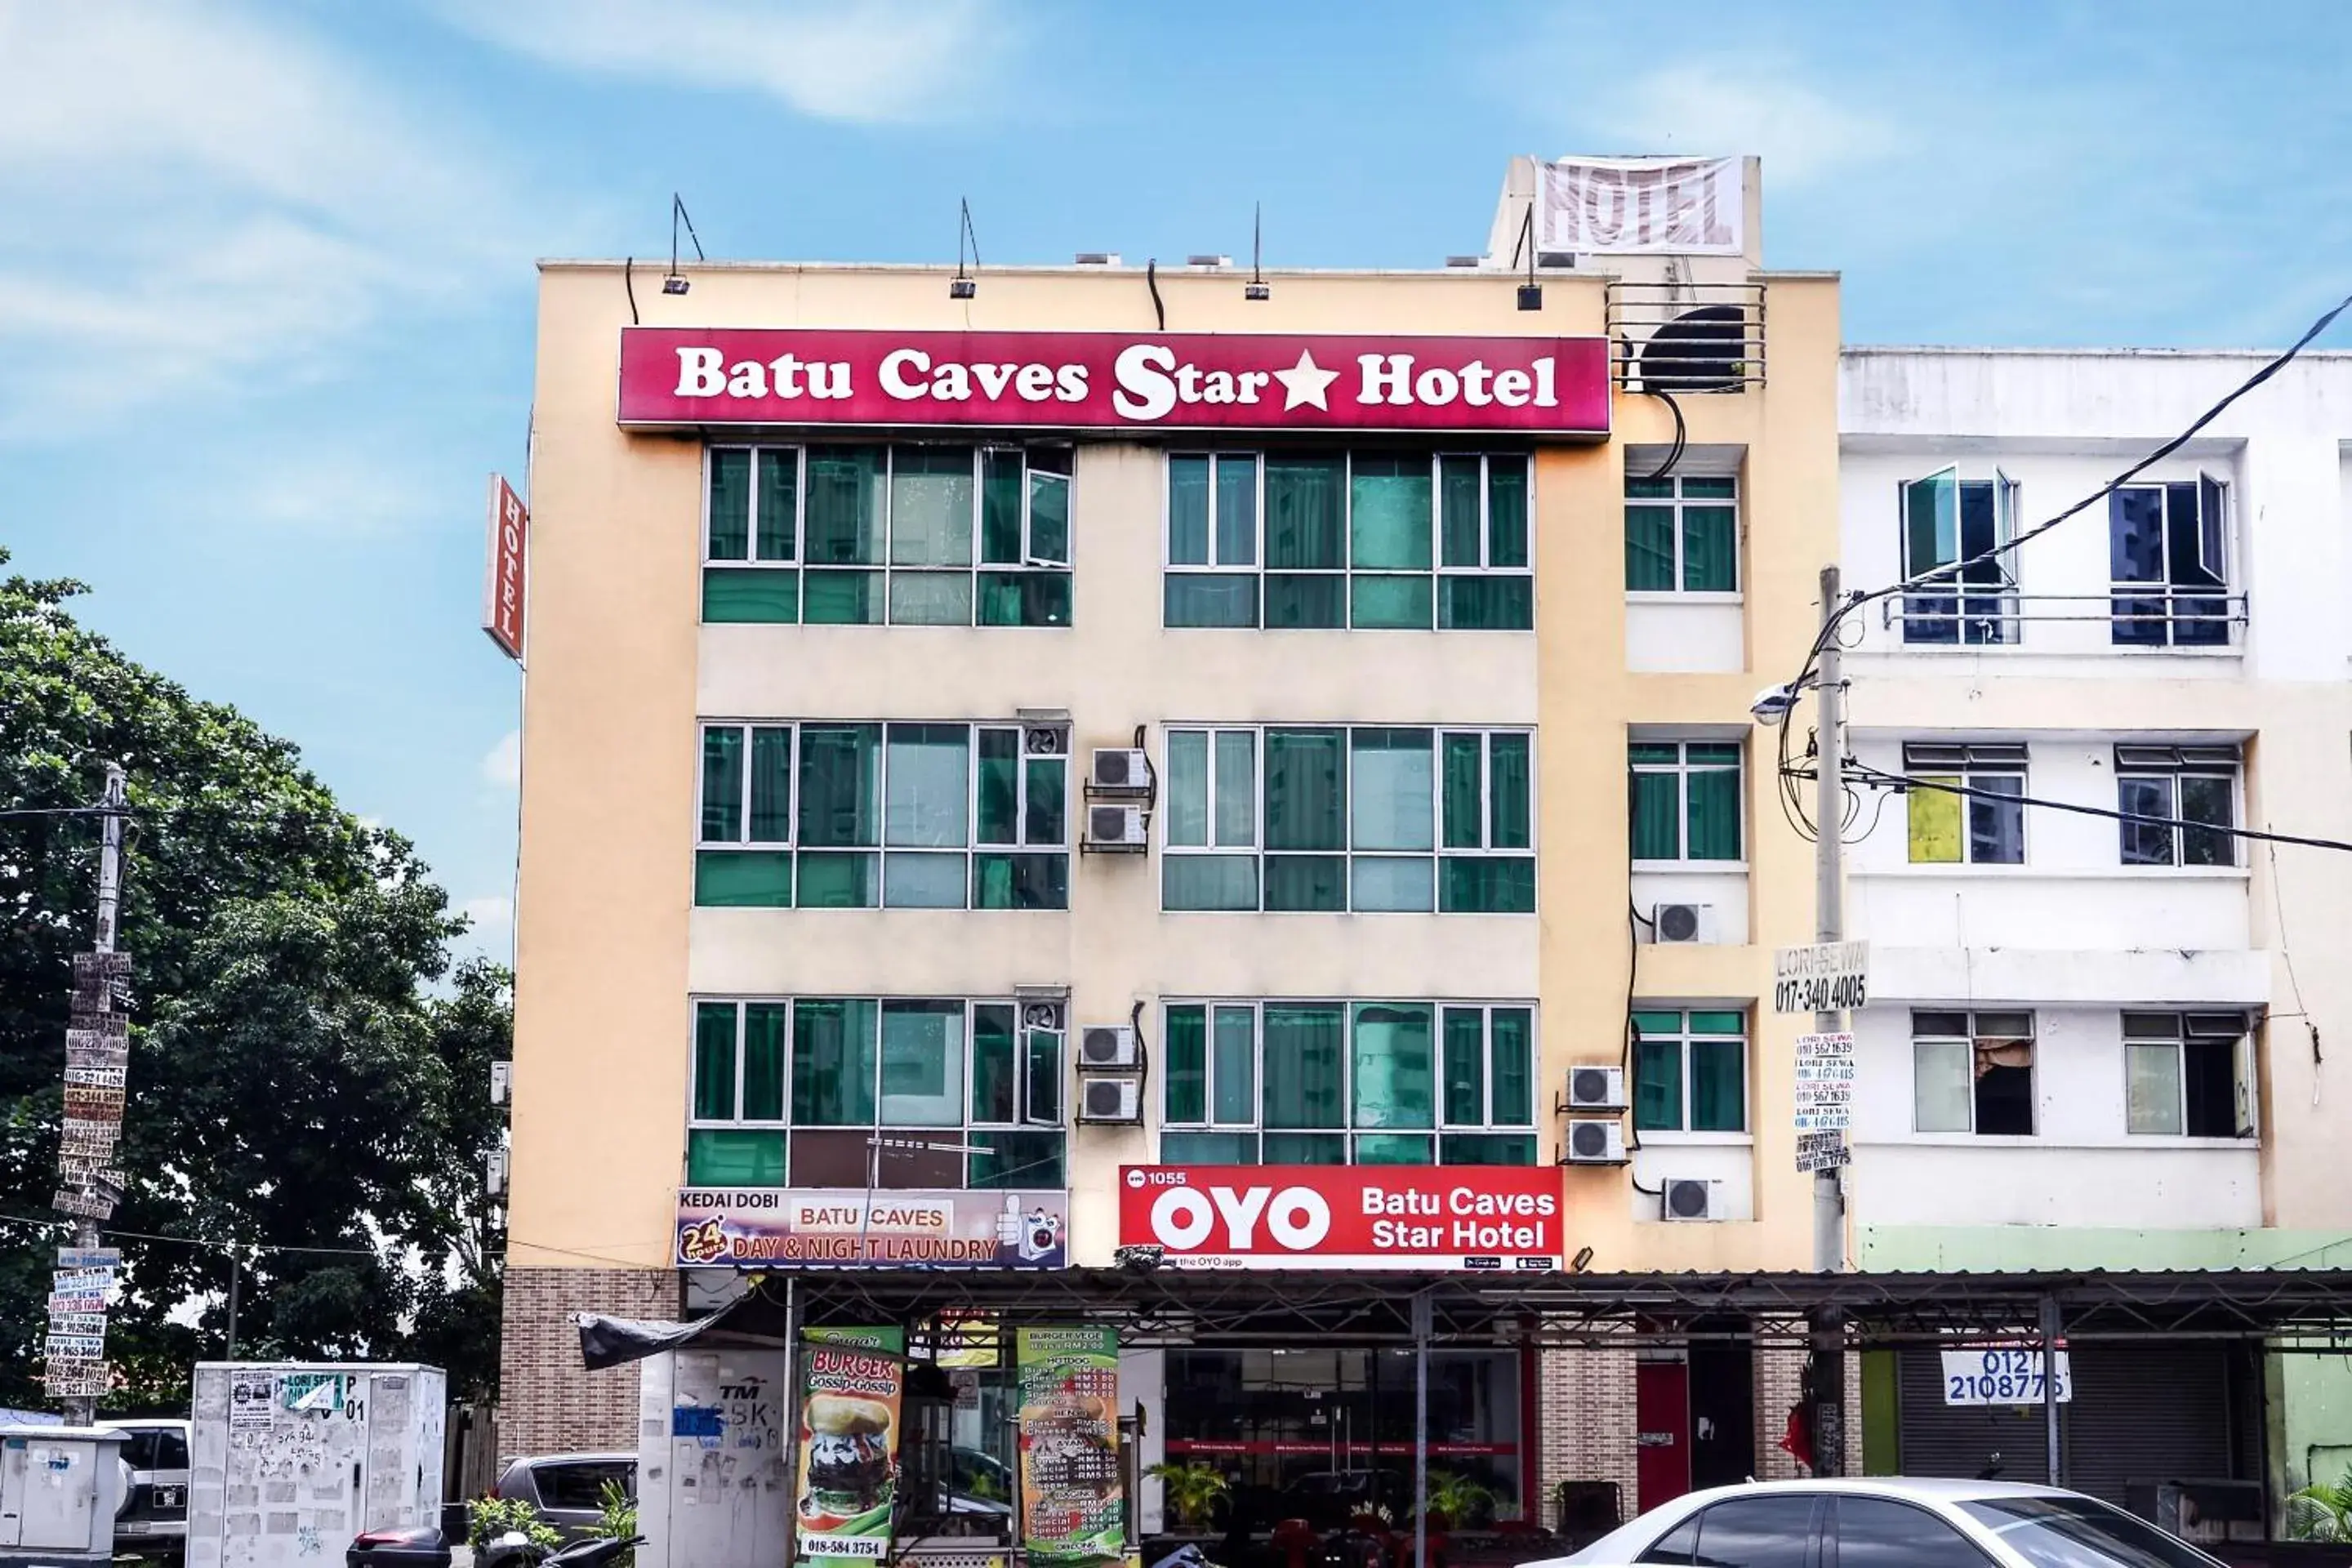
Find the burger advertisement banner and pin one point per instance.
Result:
(1073, 1509)
(850, 1387)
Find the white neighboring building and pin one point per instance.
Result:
(2091, 1045)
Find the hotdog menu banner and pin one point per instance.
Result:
(1073, 1507)
(1345, 1216)
(688, 376)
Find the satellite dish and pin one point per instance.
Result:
(1702, 350)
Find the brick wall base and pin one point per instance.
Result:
(548, 1401)
(1584, 1403)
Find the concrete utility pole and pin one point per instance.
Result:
(1828, 1335)
(82, 1410)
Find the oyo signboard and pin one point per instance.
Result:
(684, 376)
(1344, 1216)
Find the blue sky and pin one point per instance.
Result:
(265, 283)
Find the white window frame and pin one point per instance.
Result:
(973, 845)
(1257, 457)
(1968, 1043)
(1969, 772)
(1051, 1036)
(1682, 1038)
(1681, 768)
(2243, 1070)
(2165, 588)
(1030, 562)
(1676, 503)
(1440, 1125)
(2190, 762)
(1437, 854)
(2006, 499)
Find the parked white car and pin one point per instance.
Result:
(1886, 1522)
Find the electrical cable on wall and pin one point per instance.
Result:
(1900, 782)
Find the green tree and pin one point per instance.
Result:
(307, 1079)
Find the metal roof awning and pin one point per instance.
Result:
(2292, 1310)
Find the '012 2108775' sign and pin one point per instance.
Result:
(1826, 977)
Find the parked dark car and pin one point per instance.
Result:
(567, 1489)
(153, 1522)
(418, 1546)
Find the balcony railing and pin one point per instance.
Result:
(1685, 337)
(2139, 614)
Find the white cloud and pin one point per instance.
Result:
(490, 931)
(1720, 107)
(197, 199)
(502, 763)
(871, 60)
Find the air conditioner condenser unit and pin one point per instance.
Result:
(1686, 1198)
(1117, 1101)
(1682, 922)
(1108, 1047)
(1592, 1140)
(1116, 827)
(1596, 1088)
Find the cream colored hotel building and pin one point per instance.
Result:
(933, 631)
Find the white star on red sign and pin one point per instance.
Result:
(1305, 383)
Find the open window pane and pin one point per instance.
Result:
(1049, 517)
(1931, 508)
(834, 1062)
(729, 534)
(845, 507)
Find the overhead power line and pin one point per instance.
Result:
(1880, 778)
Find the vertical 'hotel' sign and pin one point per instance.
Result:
(502, 589)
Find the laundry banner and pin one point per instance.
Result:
(695, 377)
(1345, 1216)
(1073, 1506)
(852, 1383)
(820, 1227)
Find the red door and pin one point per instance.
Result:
(1662, 1457)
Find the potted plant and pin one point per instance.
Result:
(2321, 1512)
(1190, 1488)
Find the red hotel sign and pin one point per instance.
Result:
(1344, 1216)
(674, 376)
(502, 590)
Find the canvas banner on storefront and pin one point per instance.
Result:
(1073, 1507)
(852, 1381)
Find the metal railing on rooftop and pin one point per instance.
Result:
(1685, 336)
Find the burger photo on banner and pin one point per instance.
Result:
(851, 1387)
(1073, 1507)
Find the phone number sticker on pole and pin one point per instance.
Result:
(1824, 977)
